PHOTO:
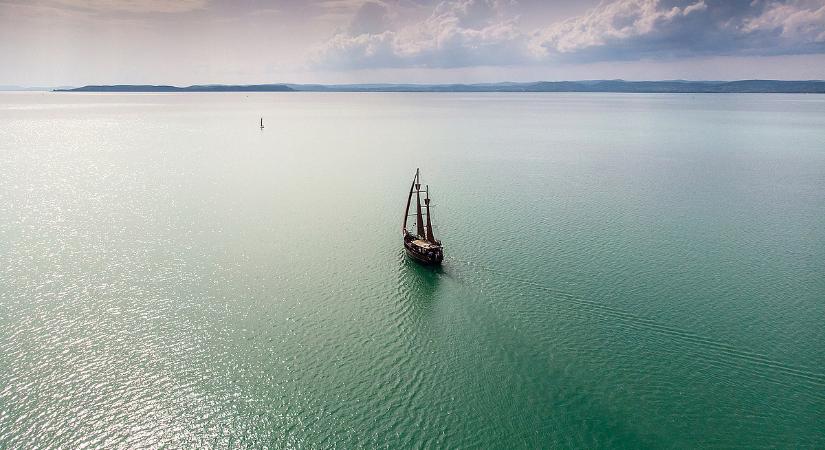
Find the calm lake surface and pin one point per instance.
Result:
(622, 270)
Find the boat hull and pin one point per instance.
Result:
(427, 254)
(422, 259)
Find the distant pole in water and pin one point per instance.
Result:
(262, 123)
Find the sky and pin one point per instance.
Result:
(79, 42)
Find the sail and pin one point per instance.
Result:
(430, 236)
(419, 220)
(409, 198)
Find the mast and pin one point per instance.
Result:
(419, 219)
(430, 236)
(409, 198)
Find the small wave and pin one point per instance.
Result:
(637, 322)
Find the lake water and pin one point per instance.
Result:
(622, 270)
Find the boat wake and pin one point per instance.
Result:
(714, 351)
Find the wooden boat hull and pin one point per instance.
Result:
(429, 255)
(424, 259)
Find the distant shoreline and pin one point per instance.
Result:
(607, 86)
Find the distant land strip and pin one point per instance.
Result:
(195, 88)
(651, 87)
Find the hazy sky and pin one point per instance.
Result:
(77, 42)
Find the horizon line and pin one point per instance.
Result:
(16, 87)
(615, 85)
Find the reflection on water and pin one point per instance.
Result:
(418, 283)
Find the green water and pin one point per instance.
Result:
(621, 271)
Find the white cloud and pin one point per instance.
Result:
(609, 22)
(457, 33)
(796, 21)
(469, 33)
(698, 6)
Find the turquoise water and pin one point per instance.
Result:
(622, 270)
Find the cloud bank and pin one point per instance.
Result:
(455, 34)
(467, 33)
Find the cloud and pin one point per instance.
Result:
(466, 33)
(615, 22)
(339, 10)
(636, 29)
(456, 34)
(797, 22)
(135, 6)
(370, 18)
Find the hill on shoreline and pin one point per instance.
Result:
(674, 86)
(194, 88)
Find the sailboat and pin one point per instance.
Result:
(262, 123)
(421, 246)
